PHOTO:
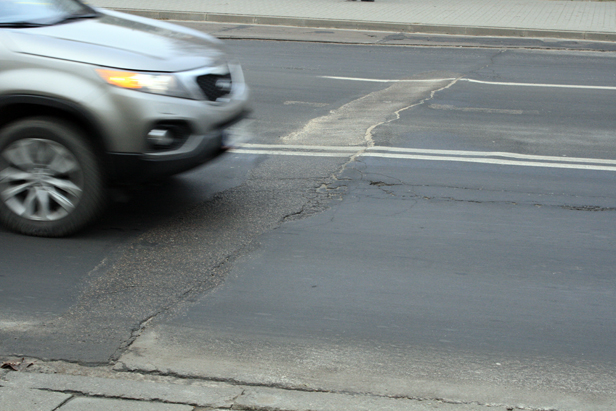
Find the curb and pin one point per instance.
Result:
(369, 25)
(57, 392)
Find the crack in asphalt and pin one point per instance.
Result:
(167, 268)
(312, 201)
(381, 183)
(135, 333)
(491, 63)
(585, 208)
(369, 133)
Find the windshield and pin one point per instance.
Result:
(40, 12)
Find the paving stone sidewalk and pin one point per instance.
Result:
(590, 20)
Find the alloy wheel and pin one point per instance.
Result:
(40, 179)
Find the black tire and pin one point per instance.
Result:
(51, 182)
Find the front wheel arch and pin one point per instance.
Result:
(20, 106)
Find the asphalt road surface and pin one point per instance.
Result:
(405, 221)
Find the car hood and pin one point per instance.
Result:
(121, 41)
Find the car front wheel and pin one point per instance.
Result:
(50, 180)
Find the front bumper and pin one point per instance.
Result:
(197, 150)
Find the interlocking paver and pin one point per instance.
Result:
(581, 16)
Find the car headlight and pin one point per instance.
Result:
(156, 83)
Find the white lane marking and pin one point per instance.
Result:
(290, 153)
(492, 83)
(494, 154)
(510, 159)
(9, 325)
(353, 149)
(493, 161)
(449, 107)
(374, 80)
(305, 103)
(499, 83)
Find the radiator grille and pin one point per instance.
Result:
(215, 86)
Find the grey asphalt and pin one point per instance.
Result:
(589, 20)
(65, 390)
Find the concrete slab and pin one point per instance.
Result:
(20, 399)
(334, 366)
(102, 404)
(216, 396)
(276, 399)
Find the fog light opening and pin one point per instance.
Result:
(168, 135)
(161, 138)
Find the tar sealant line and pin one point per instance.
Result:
(491, 83)
(495, 158)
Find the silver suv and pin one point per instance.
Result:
(91, 98)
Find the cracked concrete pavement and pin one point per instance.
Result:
(49, 391)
